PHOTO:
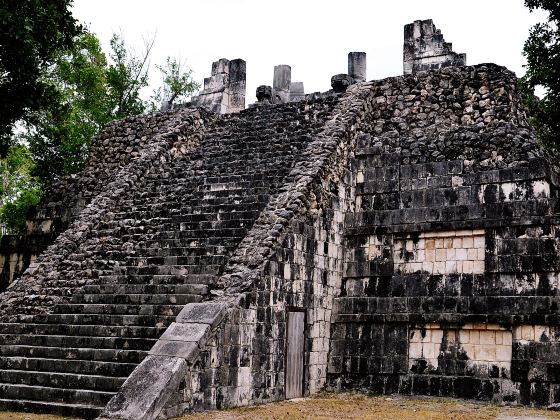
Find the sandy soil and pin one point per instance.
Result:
(356, 406)
(353, 406)
(4, 415)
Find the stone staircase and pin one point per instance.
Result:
(164, 246)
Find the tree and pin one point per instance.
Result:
(87, 92)
(18, 190)
(32, 32)
(178, 84)
(83, 91)
(79, 105)
(126, 77)
(542, 50)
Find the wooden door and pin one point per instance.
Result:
(294, 357)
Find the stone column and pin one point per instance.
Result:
(224, 90)
(425, 48)
(357, 66)
(237, 85)
(264, 94)
(297, 92)
(281, 83)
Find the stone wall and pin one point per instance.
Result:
(59, 268)
(290, 261)
(413, 220)
(425, 48)
(224, 90)
(452, 252)
(119, 144)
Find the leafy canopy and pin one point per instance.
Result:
(178, 84)
(542, 50)
(18, 189)
(83, 91)
(32, 32)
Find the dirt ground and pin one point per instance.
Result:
(5, 415)
(353, 406)
(356, 406)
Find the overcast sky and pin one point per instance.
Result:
(312, 36)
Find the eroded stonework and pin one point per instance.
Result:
(410, 223)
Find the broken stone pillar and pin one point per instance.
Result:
(297, 92)
(425, 48)
(237, 85)
(340, 82)
(264, 94)
(357, 66)
(281, 83)
(224, 90)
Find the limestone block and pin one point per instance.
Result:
(187, 332)
(357, 66)
(202, 313)
(264, 94)
(147, 390)
(340, 82)
(187, 350)
(297, 92)
(281, 83)
(425, 48)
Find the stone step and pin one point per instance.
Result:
(83, 411)
(136, 299)
(61, 380)
(183, 251)
(84, 330)
(50, 394)
(77, 353)
(187, 289)
(83, 367)
(242, 215)
(141, 274)
(158, 279)
(140, 261)
(77, 341)
(104, 319)
(118, 309)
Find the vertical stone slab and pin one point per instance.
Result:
(297, 92)
(357, 66)
(294, 359)
(425, 49)
(281, 83)
(224, 90)
(237, 85)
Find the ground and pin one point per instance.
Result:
(355, 406)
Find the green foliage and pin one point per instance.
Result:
(126, 77)
(19, 190)
(542, 50)
(32, 32)
(13, 214)
(82, 91)
(86, 92)
(59, 133)
(178, 84)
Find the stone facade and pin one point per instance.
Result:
(224, 90)
(425, 48)
(413, 221)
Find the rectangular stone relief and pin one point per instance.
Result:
(473, 350)
(441, 253)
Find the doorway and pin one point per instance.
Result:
(294, 355)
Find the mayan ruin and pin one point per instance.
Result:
(395, 236)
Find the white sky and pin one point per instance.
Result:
(312, 36)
